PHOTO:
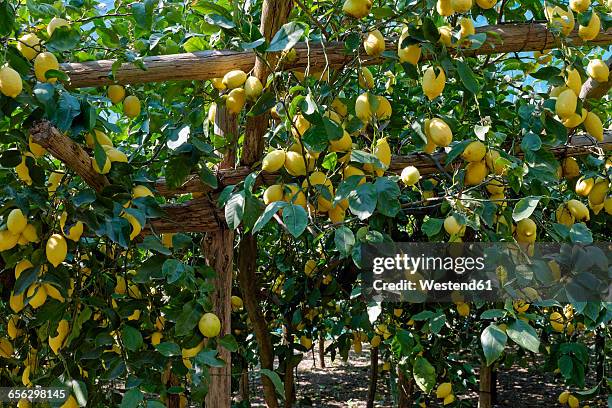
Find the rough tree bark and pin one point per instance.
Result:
(485, 386)
(218, 248)
(404, 387)
(321, 349)
(373, 377)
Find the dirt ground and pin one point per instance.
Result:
(345, 384)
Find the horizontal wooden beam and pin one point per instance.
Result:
(203, 65)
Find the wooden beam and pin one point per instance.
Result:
(68, 151)
(509, 37)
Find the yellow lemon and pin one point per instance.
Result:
(411, 53)
(410, 175)
(591, 30)
(105, 169)
(44, 62)
(273, 194)
(365, 78)
(461, 6)
(116, 93)
(433, 84)
(374, 43)
(131, 106)
(209, 325)
(253, 88)
(75, 231)
(467, 27)
(235, 100)
(363, 110)
(452, 226)
(357, 8)
(475, 173)
(10, 82)
(273, 161)
(573, 80)
(593, 126)
(294, 164)
(578, 210)
(234, 79)
(444, 8)
(55, 23)
(565, 105)
(16, 221)
(584, 186)
(56, 249)
(29, 46)
(37, 295)
(474, 152)
(444, 390)
(439, 132)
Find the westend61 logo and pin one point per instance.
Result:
(451, 272)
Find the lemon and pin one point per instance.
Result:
(439, 132)
(75, 231)
(234, 79)
(116, 93)
(363, 110)
(306, 342)
(565, 105)
(29, 46)
(486, 4)
(54, 23)
(410, 175)
(593, 126)
(495, 187)
(608, 205)
(295, 195)
(598, 70)
(578, 210)
(310, 267)
(446, 34)
(384, 109)
(16, 302)
(365, 78)
(467, 27)
(237, 303)
(461, 6)
(573, 80)
(474, 152)
(374, 43)
(71, 402)
(62, 332)
(136, 227)
(556, 321)
(6, 348)
(336, 214)
(433, 84)
(273, 194)
(564, 216)
(134, 316)
(131, 106)
(235, 100)
(44, 62)
(410, 54)
(115, 155)
(209, 325)
(475, 173)
(444, 8)
(560, 19)
(598, 193)
(140, 191)
(463, 309)
(37, 295)
(339, 107)
(444, 390)
(99, 136)
(11, 327)
(579, 6)
(53, 292)
(570, 167)
(572, 401)
(166, 239)
(273, 161)
(156, 338)
(526, 227)
(350, 171)
(36, 149)
(105, 169)
(452, 226)
(575, 119)
(56, 249)
(584, 186)
(341, 145)
(375, 342)
(294, 164)
(16, 221)
(449, 399)
(10, 82)
(382, 151)
(218, 84)
(591, 30)
(357, 8)
(253, 88)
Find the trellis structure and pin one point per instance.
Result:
(203, 214)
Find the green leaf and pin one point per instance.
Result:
(546, 73)
(209, 358)
(173, 269)
(153, 243)
(430, 31)
(424, 374)
(525, 207)
(432, 226)
(234, 210)
(132, 398)
(295, 219)
(566, 366)
(276, 380)
(580, 234)
(229, 342)
(68, 109)
(7, 18)
(333, 130)
(493, 314)
(531, 141)
(360, 156)
(362, 201)
(143, 13)
(132, 339)
(288, 35)
(524, 335)
(219, 21)
(493, 341)
(168, 349)
(264, 103)
(467, 77)
(315, 138)
(267, 215)
(188, 319)
(207, 177)
(64, 38)
(10, 158)
(344, 240)
(387, 201)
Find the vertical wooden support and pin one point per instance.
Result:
(373, 377)
(321, 349)
(218, 248)
(485, 400)
(404, 386)
(245, 394)
(274, 14)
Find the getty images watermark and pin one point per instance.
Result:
(450, 272)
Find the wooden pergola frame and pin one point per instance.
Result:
(203, 215)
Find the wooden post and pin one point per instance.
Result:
(321, 350)
(245, 394)
(218, 248)
(373, 377)
(485, 386)
(404, 387)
